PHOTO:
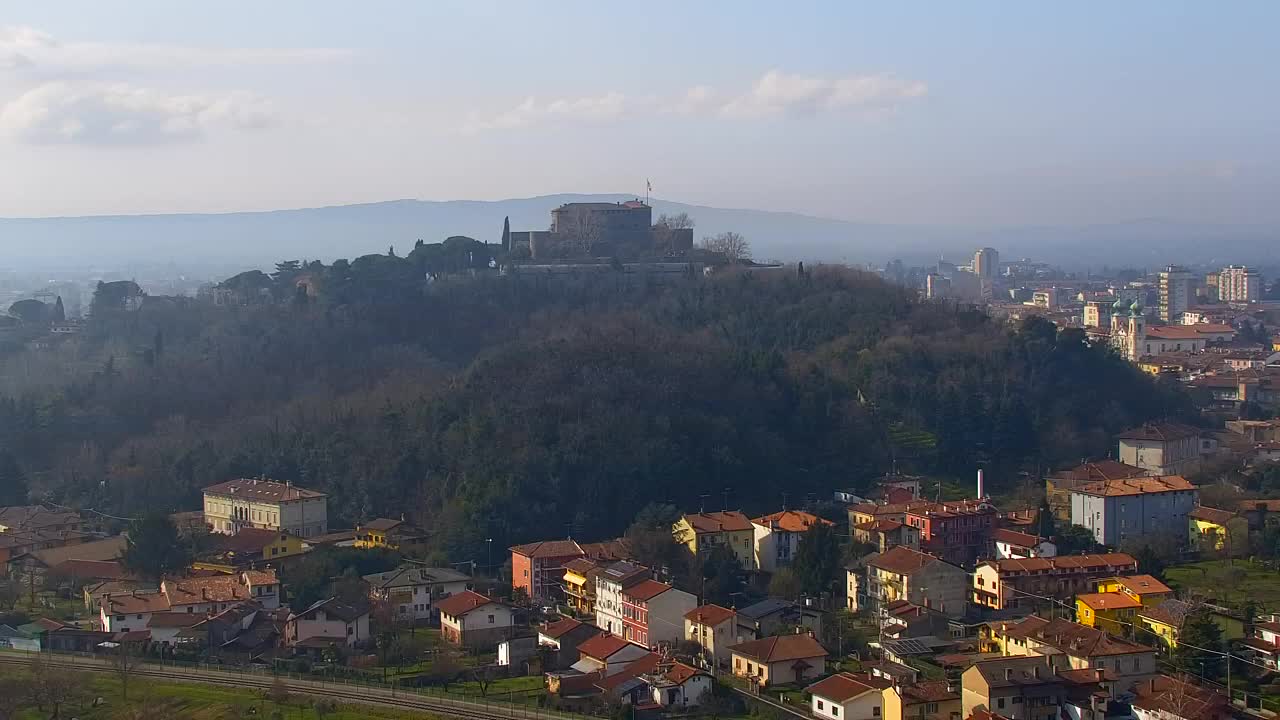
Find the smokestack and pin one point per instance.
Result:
(980, 488)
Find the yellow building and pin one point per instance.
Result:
(580, 585)
(1208, 528)
(248, 548)
(926, 700)
(388, 533)
(1164, 621)
(1113, 612)
(1143, 588)
(703, 532)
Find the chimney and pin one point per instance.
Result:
(980, 488)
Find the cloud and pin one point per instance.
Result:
(121, 114)
(778, 92)
(41, 49)
(774, 93)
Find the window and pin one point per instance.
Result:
(119, 617)
(931, 708)
(1017, 700)
(875, 711)
(835, 711)
(350, 630)
(1000, 703)
(491, 621)
(821, 706)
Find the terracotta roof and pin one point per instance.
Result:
(581, 566)
(840, 688)
(247, 540)
(883, 525)
(602, 646)
(1137, 486)
(710, 615)
(462, 603)
(1211, 515)
(90, 570)
(1267, 625)
(607, 551)
(262, 490)
(1264, 505)
(930, 691)
(1109, 601)
(1165, 695)
(1162, 432)
(1064, 563)
(639, 666)
(1170, 612)
(560, 627)
(902, 560)
(1186, 332)
(1014, 538)
(1088, 676)
(781, 648)
(1102, 470)
(1140, 584)
(714, 522)
(196, 590)
(174, 620)
(680, 673)
(110, 548)
(262, 577)
(951, 508)
(646, 590)
(549, 549)
(382, 524)
(791, 520)
(1073, 638)
(139, 603)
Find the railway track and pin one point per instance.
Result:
(348, 694)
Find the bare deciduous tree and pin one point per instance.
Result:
(125, 662)
(732, 245)
(54, 690)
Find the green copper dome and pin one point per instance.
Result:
(1136, 309)
(1119, 305)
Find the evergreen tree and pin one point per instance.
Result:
(13, 484)
(154, 548)
(1045, 525)
(506, 234)
(59, 311)
(817, 558)
(1199, 643)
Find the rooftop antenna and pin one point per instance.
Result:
(784, 502)
(702, 503)
(726, 499)
(648, 188)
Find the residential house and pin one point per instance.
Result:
(124, 613)
(865, 512)
(538, 568)
(1165, 621)
(1059, 485)
(475, 621)
(607, 654)
(213, 594)
(1208, 529)
(905, 574)
(1116, 510)
(30, 518)
(329, 620)
(1077, 646)
(1017, 688)
(775, 615)
(1114, 612)
(713, 628)
(847, 696)
(677, 685)
(247, 632)
(263, 586)
(1260, 513)
(1013, 544)
(885, 534)
(958, 532)
(1144, 588)
(37, 563)
(653, 613)
(703, 532)
(928, 700)
(776, 537)
(389, 533)
(779, 660)
(76, 574)
(1265, 643)
(260, 503)
(249, 547)
(1166, 698)
(1163, 448)
(562, 638)
(1006, 584)
(610, 582)
(94, 593)
(580, 585)
(165, 626)
(413, 591)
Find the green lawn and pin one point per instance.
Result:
(190, 701)
(529, 684)
(1230, 583)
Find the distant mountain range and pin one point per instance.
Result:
(326, 233)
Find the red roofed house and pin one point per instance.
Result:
(906, 574)
(653, 613)
(1161, 448)
(679, 685)
(538, 567)
(1265, 643)
(957, 531)
(1166, 698)
(779, 660)
(777, 536)
(846, 696)
(475, 621)
(885, 533)
(1000, 584)
(1015, 545)
(1116, 510)
(712, 628)
(729, 529)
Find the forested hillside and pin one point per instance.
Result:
(518, 407)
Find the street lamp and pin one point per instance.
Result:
(489, 559)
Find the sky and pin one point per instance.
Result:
(976, 113)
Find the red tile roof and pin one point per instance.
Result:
(139, 603)
(1162, 432)
(928, 691)
(462, 603)
(1014, 538)
(560, 627)
(262, 490)
(90, 570)
(791, 521)
(549, 549)
(714, 522)
(680, 673)
(602, 646)
(781, 648)
(1065, 563)
(197, 590)
(1169, 697)
(1102, 470)
(1108, 601)
(1137, 486)
(840, 688)
(710, 615)
(1140, 584)
(1212, 515)
(646, 590)
(901, 560)
(248, 540)
(262, 577)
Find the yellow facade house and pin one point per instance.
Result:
(388, 533)
(1208, 528)
(580, 585)
(1144, 588)
(1164, 621)
(1113, 612)
(730, 529)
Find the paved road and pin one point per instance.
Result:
(339, 691)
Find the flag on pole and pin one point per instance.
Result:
(648, 185)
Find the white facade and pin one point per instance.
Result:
(609, 606)
(868, 706)
(1175, 293)
(1116, 518)
(1238, 283)
(666, 616)
(1012, 551)
(690, 692)
(774, 548)
(325, 625)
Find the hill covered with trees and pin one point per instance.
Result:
(515, 408)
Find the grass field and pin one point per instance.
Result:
(190, 701)
(1230, 583)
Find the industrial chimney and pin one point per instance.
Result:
(980, 493)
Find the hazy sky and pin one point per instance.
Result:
(975, 112)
